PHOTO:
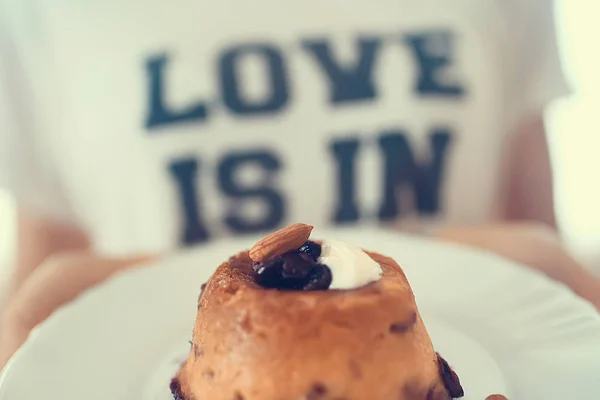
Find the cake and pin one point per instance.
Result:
(295, 319)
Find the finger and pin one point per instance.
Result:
(60, 281)
(50, 286)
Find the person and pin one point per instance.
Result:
(130, 129)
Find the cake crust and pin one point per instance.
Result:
(250, 343)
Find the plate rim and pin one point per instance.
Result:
(21, 357)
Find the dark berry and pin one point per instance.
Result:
(291, 283)
(296, 266)
(175, 388)
(268, 275)
(319, 278)
(201, 293)
(450, 379)
(283, 273)
(294, 270)
(317, 392)
(257, 266)
(312, 249)
(202, 288)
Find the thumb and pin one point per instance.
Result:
(53, 284)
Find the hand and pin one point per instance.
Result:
(533, 245)
(55, 282)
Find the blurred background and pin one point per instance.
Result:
(572, 124)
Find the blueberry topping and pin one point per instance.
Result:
(268, 274)
(294, 270)
(312, 249)
(286, 272)
(296, 266)
(319, 278)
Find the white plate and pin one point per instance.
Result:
(503, 328)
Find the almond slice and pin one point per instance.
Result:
(282, 241)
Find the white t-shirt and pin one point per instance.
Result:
(159, 124)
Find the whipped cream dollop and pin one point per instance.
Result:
(350, 266)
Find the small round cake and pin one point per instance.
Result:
(294, 319)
